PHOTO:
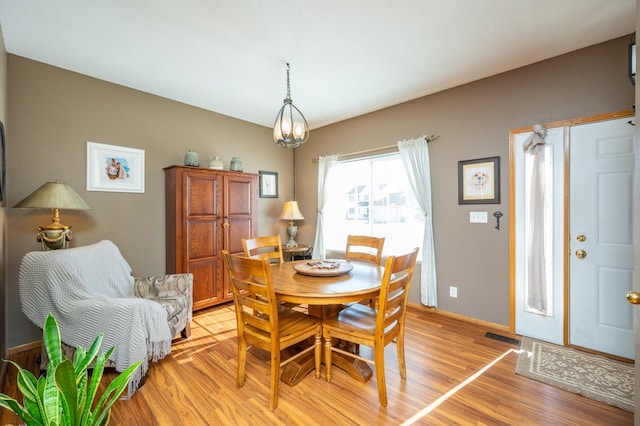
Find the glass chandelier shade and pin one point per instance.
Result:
(290, 128)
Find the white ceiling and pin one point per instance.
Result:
(348, 57)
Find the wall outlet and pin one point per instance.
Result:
(453, 291)
(477, 217)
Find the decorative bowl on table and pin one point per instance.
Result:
(323, 268)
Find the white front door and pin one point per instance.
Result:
(601, 236)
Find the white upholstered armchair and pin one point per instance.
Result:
(90, 290)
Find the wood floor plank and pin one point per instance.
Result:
(195, 385)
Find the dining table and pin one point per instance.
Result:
(325, 292)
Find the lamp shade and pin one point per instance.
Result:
(53, 195)
(291, 211)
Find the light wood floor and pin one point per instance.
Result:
(455, 375)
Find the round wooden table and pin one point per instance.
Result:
(326, 295)
(362, 282)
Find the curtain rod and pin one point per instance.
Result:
(381, 149)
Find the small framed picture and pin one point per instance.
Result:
(479, 181)
(268, 184)
(114, 168)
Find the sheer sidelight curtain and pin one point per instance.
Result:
(326, 166)
(415, 157)
(536, 287)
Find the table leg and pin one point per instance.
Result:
(296, 370)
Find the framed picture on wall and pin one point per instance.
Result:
(114, 168)
(479, 181)
(268, 184)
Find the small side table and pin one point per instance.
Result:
(292, 251)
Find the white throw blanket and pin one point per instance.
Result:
(89, 290)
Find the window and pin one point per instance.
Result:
(372, 196)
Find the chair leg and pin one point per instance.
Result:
(242, 361)
(186, 331)
(380, 377)
(318, 352)
(400, 348)
(275, 379)
(327, 354)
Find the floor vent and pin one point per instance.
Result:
(502, 338)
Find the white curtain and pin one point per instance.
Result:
(326, 167)
(415, 157)
(536, 269)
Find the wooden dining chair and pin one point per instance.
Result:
(269, 247)
(261, 322)
(364, 325)
(364, 247)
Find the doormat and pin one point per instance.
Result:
(593, 376)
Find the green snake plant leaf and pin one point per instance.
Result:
(29, 386)
(27, 383)
(65, 379)
(82, 396)
(111, 394)
(13, 405)
(83, 359)
(51, 338)
(49, 399)
(92, 387)
(65, 395)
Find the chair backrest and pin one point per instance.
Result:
(394, 290)
(269, 247)
(364, 247)
(254, 298)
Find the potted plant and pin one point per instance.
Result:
(66, 394)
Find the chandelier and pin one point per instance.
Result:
(290, 129)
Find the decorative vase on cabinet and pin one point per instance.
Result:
(191, 158)
(236, 164)
(215, 162)
(207, 211)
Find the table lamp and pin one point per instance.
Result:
(54, 196)
(291, 212)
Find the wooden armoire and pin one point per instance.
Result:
(208, 211)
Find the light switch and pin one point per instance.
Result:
(477, 217)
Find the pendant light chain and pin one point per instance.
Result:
(288, 84)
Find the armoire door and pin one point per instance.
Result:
(240, 212)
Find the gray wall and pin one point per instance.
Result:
(52, 113)
(473, 121)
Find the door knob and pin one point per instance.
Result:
(581, 254)
(633, 297)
